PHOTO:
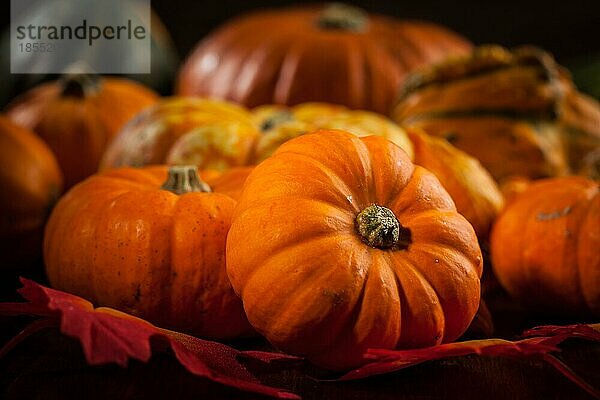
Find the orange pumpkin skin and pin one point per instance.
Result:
(545, 246)
(229, 182)
(313, 287)
(279, 124)
(474, 191)
(31, 183)
(517, 112)
(185, 131)
(120, 241)
(78, 116)
(333, 54)
(513, 186)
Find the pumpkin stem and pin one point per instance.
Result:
(184, 179)
(80, 85)
(378, 227)
(275, 120)
(343, 17)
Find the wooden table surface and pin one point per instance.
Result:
(51, 366)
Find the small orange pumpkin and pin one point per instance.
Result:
(545, 246)
(333, 53)
(472, 188)
(154, 247)
(179, 131)
(78, 116)
(340, 244)
(31, 183)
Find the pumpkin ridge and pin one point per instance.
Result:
(287, 247)
(467, 271)
(287, 73)
(154, 284)
(339, 181)
(495, 59)
(587, 301)
(336, 331)
(67, 224)
(248, 78)
(385, 263)
(401, 273)
(316, 274)
(471, 262)
(421, 222)
(374, 144)
(577, 236)
(354, 316)
(415, 184)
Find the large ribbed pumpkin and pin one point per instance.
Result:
(339, 244)
(31, 183)
(78, 116)
(210, 134)
(546, 246)
(516, 111)
(335, 54)
(150, 242)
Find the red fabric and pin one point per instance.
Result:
(110, 336)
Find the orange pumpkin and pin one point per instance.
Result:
(513, 186)
(545, 246)
(472, 188)
(230, 182)
(339, 244)
(154, 247)
(178, 131)
(279, 124)
(336, 54)
(517, 112)
(78, 116)
(31, 183)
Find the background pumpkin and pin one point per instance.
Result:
(545, 246)
(335, 54)
(280, 124)
(78, 116)
(229, 182)
(517, 112)
(31, 183)
(322, 268)
(208, 133)
(472, 188)
(154, 247)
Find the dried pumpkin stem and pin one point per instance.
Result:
(378, 227)
(343, 17)
(276, 120)
(185, 179)
(80, 85)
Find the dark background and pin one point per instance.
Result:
(570, 30)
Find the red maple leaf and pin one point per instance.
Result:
(538, 343)
(111, 336)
